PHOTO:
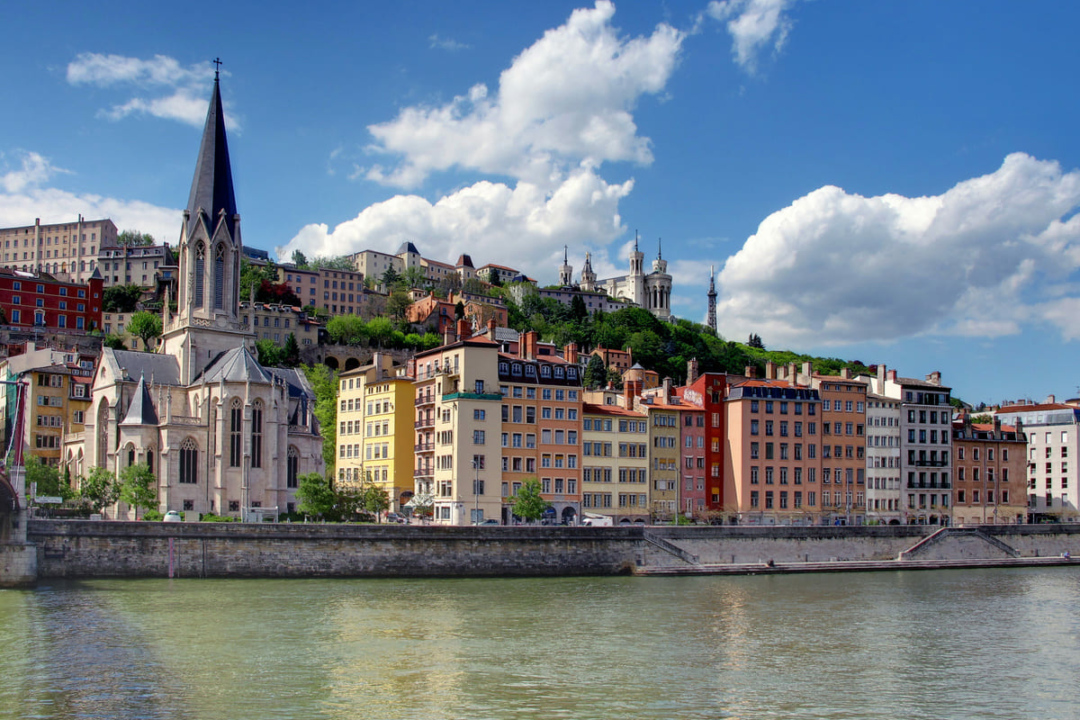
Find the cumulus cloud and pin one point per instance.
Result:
(166, 89)
(566, 99)
(23, 198)
(522, 226)
(978, 260)
(754, 26)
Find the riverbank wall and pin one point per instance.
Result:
(89, 549)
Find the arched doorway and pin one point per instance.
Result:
(568, 515)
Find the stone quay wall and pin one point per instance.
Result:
(88, 549)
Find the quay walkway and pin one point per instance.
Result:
(767, 568)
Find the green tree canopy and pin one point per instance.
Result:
(397, 305)
(47, 478)
(134, 238)
(595, 372)
(298, 259)
(290, 353)
(527, 503)
(146, 326)
(121, 298)
(138, 487)
(99, 489)
(375, 499)
(270, 355)
(324, 383)
(315, 495)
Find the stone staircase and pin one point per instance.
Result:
(956, 533)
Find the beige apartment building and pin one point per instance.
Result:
(611, 473)
(68, 250)
(456, 426)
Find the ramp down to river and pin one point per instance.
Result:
(87, 549)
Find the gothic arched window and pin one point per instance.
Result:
(236, 440)
(256, 434)
(189, 462)
(200, 273)
(219, 277)
(293, 473)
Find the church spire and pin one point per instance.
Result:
(212, 187)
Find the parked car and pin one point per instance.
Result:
(395, 518)
(172, 516)
(489, 521)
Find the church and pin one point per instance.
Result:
(221, 433)
(651, 291)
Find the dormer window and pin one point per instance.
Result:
(545, 371)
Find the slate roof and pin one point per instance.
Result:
(160, 369)
(212, 187)
(141, 410)
(408, 247)
(236, 365)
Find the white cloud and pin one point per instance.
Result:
(166, 89)
(834, 267)
(34, 170)
(566, 99)
(438, 43)
(23, 198)
(523, 226)
(754, 25)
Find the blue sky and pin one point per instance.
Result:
(885, 181)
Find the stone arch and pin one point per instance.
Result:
(352, 363)
(331, 362)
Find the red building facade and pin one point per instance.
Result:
(40, 300)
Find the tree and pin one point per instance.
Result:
(414, 277)
(47, 479)
(755, 341)
(315, 495)
(983, 419)
(269, 353)
(459, 310)
(278, 293)
(290, 353)
(527, 503)
(375, 499)
(138, 487)
(298, 259)
(390, 278)
(134, 238)
(99, 489)
(614, 377)
(398, 304)
(324, 383)
(379, 331)
(114, 341)
(578, 311)
(146, 326)
(121, 298)
(595, 372)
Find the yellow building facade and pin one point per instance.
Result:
(375, 419)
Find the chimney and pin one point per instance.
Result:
(891, 375)
(463, 328)
(770, 370)
(997, 424)
(750, 372)
(691, 371)
(377, 361)
(1051, 399)
(448, 336)
(934, 378)
(491, 329)
(845, 373)
(631, 389)
(570, 353)
(792, 373)
(667, 389)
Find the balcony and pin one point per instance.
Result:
(424, 447)
(425, 400)
(930, 463)
(425, 423)
(929, 485)
(423, 474)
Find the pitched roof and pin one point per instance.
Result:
(160, 369)
(236, 365)
(141, 410)
(212, 186)
(598, 409)
(1033, 408)
(407, 247)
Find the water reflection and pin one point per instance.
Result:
(955, 644)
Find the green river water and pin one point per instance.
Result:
(943, 644)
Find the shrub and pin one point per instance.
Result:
(153, 515)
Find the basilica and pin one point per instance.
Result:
(651, 291)
(221, 433)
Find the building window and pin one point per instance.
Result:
(256, 435)
(293, 471)
(236, 417)
(189, 456)
(200, 270)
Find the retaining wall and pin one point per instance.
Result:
(84, 549)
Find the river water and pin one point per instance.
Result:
(942, 644)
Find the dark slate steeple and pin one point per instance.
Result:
(212, 187)
(141, 410)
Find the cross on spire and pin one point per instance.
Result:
(217, 67)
